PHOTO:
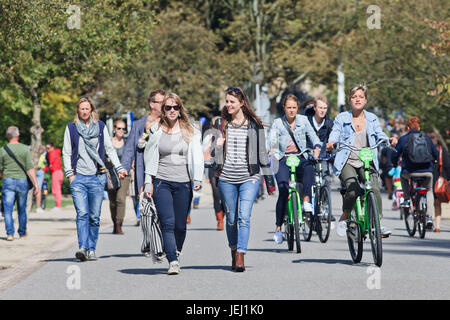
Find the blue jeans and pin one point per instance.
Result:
(172, 201)
(87, 194)
(238, 215)
(40, 177)
(12, 190)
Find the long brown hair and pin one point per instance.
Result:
(239, 94)
(186, 128)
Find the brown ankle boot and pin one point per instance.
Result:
(119, 228)
(219, 217)
(240, 267)
(233, 259)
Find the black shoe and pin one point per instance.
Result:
(82, 254)
(91, 256)
(333, 218)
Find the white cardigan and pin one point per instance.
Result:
(195, 161)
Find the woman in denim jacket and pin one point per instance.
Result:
(358, 128)
(282, 145)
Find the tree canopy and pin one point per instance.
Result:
(120, 50)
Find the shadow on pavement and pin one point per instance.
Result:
(149, 271)
(330, 261)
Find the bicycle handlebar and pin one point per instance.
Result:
(338, 145)
(301, 153)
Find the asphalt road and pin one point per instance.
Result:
(412, 268)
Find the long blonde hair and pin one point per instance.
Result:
(94, 114)
(187, 130)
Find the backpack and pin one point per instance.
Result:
(418, 149)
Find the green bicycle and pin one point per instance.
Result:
(365, 218)
(294, 219)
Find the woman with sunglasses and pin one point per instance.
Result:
(173, 159)
(117, 198)
(241, 157)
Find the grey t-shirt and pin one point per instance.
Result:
(360, 142)
(173, 151)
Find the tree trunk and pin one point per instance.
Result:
(36, 130)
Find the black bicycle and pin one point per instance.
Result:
(321, 220)
(417, 217)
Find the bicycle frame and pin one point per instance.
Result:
(293, 162)
(366, 155)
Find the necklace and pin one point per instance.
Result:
(238, 126)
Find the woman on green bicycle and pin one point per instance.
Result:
(282, 144)
(358, 128)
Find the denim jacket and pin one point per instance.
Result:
(280, 137)
(344, 131)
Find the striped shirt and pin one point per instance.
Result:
(235, 168)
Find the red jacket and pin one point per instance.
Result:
(54, 160)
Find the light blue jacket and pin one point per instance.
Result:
(195, 161)
(280, 137)
(344, 131)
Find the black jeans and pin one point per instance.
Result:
(172, 201)
(304, 175)
(218, 206)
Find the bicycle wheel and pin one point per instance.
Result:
(324, 216)
(43, 202)
(374, 229)
(422, 208)
(410, 221)
(355, 240)
(295, 210)
(289, 232)
(307, 226)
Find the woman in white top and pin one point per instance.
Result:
(173, 159)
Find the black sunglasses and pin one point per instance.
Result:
(168, 108)
(235, 90)
(124, 129)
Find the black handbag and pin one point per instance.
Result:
(112, 178)
(11, 154)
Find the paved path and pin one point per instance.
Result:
(412, 268)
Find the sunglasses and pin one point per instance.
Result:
(168, 108)
(235, 90)
(154, 101)
(124, 129)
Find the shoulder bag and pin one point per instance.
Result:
(442, 185)
(11, 154)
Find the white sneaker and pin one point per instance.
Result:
(278, 237)
(56, 209)
(341, 228)
(307, 207)
(174, 268)
(40, 210)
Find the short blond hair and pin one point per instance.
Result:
(94, 114)
(320, 98)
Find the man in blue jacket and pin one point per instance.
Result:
(416, 162)
(132, 152)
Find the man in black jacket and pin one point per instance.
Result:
(414, 169)
(322, 125)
